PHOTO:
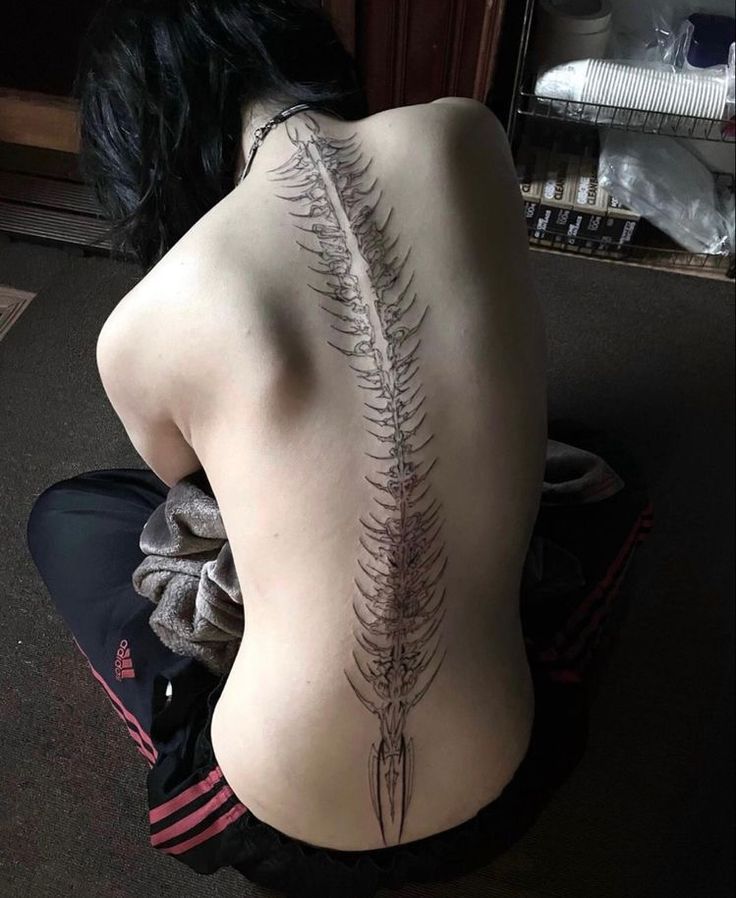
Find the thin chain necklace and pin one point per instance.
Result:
(260, 133)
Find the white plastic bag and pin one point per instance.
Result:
(674, 35)
(665, 183)
(662, 41)
(654, 33)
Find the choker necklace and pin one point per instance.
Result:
(260, 133)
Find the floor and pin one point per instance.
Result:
(647, 356)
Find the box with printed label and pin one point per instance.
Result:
(529, 169)
(607, 222)
(556, 217)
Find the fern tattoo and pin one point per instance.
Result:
(398, 632)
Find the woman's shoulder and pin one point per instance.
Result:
(430, 135)
(457, 136)
(450, 116)
(426, 124)
(442, 111)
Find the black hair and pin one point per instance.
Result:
(161, 86)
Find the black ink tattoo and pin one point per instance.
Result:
(404, 608)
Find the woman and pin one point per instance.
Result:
(337, 324)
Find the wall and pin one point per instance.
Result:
(39, 43)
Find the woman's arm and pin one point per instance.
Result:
(131, 354)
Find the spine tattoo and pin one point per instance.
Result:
(404, 607)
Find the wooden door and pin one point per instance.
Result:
(414, 51)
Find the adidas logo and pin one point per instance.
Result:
(123, 662)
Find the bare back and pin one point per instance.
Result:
(369, 404)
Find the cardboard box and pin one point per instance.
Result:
(563, 201)
(606, 221)
(591, 201)
(556, 217)
(620, 222)
(528, 169)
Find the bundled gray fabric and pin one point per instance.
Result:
(190, 575)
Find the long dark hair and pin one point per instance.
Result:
(161, 85)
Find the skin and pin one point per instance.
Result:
(355, 354)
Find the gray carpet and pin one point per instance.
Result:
(645, 356)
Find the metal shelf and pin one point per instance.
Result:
(667, 257)
(547, 116)
(650, 246)
(625, 119)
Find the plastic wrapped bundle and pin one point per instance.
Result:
(654, 92)
(665, 183)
